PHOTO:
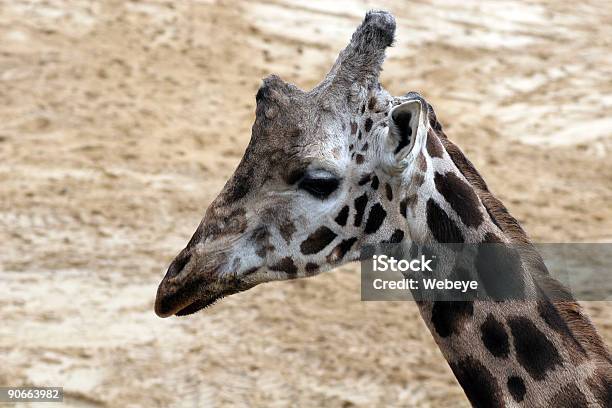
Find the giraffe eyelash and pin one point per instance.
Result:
(319, 187)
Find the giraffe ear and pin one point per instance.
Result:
(405, 122)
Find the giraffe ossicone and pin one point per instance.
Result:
(346, 165)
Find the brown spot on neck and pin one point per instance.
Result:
(434, 148)
(417, 180)
(461, 198)
(422, 162)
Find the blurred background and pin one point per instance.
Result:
(121, 120)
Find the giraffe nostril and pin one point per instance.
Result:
(177, 265)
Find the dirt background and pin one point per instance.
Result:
(120, 121)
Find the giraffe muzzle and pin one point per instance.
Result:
(190, 286)
(188, 300)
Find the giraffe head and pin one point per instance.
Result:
(319, 180)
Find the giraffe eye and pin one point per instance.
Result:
(319, 186)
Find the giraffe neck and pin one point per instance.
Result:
(511, 353)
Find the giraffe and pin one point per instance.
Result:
(345, 165)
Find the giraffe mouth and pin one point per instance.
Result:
(187, 299)
(198, 305)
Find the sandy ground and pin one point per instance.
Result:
(120, 121)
